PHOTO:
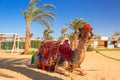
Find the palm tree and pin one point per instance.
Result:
(2, 37)
(71, 38)
(64, 29)
(34, 13)
(116, 34)
(75, 25)
(51, 37)
(97, 36)
(46, 33)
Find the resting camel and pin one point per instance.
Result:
(64, 66)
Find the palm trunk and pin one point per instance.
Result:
(27, 40)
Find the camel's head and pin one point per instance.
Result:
(85, 32)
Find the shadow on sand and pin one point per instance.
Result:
(10, 63)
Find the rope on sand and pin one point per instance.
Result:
(107, 56)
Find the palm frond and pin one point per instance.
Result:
(76, 24)
(45, 31)
(70, 26)
(71, 36)
(37, 10)
(32, 4)
(24, 13)
(43, 14)
(50, 31)
(64, 29)
(44, 22)
(46, 6)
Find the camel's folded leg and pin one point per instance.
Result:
(62, 70)
(82, 72)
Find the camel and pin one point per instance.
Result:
(64, 66)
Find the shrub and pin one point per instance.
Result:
(31, 52)
(90, 48)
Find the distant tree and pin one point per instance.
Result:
(34, 13)
(116, 35)
(64, 29)
(75, 25)
(97, 36)
(51, 37)
(1, 38)
(71, 38)
(46, 33)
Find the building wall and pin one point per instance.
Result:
(103, 43)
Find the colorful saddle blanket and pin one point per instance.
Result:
(50, 50)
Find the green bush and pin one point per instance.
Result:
(35, 44)
(31, 52)
(90, 48)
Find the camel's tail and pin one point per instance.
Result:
(32, 59)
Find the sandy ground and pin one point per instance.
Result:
(17, 67)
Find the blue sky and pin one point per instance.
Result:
(103, 16)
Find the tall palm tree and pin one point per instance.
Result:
(34, 13)
(75, 25)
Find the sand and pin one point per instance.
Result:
(17, 67)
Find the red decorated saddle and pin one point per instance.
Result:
(49, 52)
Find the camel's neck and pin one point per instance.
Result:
(81, 50)
(82, 45)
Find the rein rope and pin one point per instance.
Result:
(106, 56)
